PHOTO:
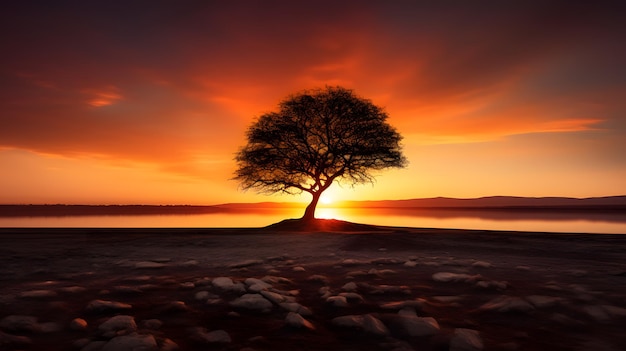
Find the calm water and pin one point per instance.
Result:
(466, 219)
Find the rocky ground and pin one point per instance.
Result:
(392, 289)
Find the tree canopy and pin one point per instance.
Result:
(315, 138)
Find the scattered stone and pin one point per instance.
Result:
(38, 294)
(355, 274)
(418, 326)
(190, 263)
(20, 323)
(78, 324)
(116, 324)
(337, 301)
(387, 289)
(297, 321)
(50, 327)
(351, 286)
(466, 340)
(298, 269)
(132, 342)
(366, 322)
(175, 307)
(149, 265)
(187, 285)
(523, 268)
(14, 341)
(152, 324)
(508, 304)
(224, 283)
(325, 292)
(100, 306)
(296, 307)
(213, 337)
(398, 305)
(202, 295)
(352, 297)
(350, 262)
(379, 272)
(252, 302)
(246, 263)
(481, 264)
(389, 261)
(72, 289)
(447, 277)
(492, 284)
(168, 345)
(276, 298)
(411, 264)
(540, 301)
(271, 279)
(256, 285)
(94, 346)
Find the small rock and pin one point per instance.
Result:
(168, 345)
(275, 298)
(118, 323)
(337, 301)
(540, 301)
(523, 268)
(213, 337)
(296, 307)
(78, 324)
(256, 285)
(466, 340)
(398, 305)
(152, 324)
(202, 295)
(351, 286)
(224, 283)
(132, 342)
(20, 323)
(419, 326)
(252, 302)
(454, 277)
(366, 323)
(176, 306)
(297, 321)
(352, 297)
(508, 304)
(246, 263)
(187, 285)
(73, 289)
(105, 306)
(481, 264)
(492, 284)
(50, 327)
(14, 342)
(298, 269)
(38, 294)
(411, 264)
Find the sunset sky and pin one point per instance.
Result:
(120, 102)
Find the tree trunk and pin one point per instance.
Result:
(309, 213)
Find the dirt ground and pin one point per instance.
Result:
(517, 291)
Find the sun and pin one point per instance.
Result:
(326, 199)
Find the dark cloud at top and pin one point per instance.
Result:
(161, 70)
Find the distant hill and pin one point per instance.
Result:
(496, 202)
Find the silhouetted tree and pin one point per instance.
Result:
(315, 138)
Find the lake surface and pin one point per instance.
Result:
(609, 223)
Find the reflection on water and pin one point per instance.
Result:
(459, 219)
